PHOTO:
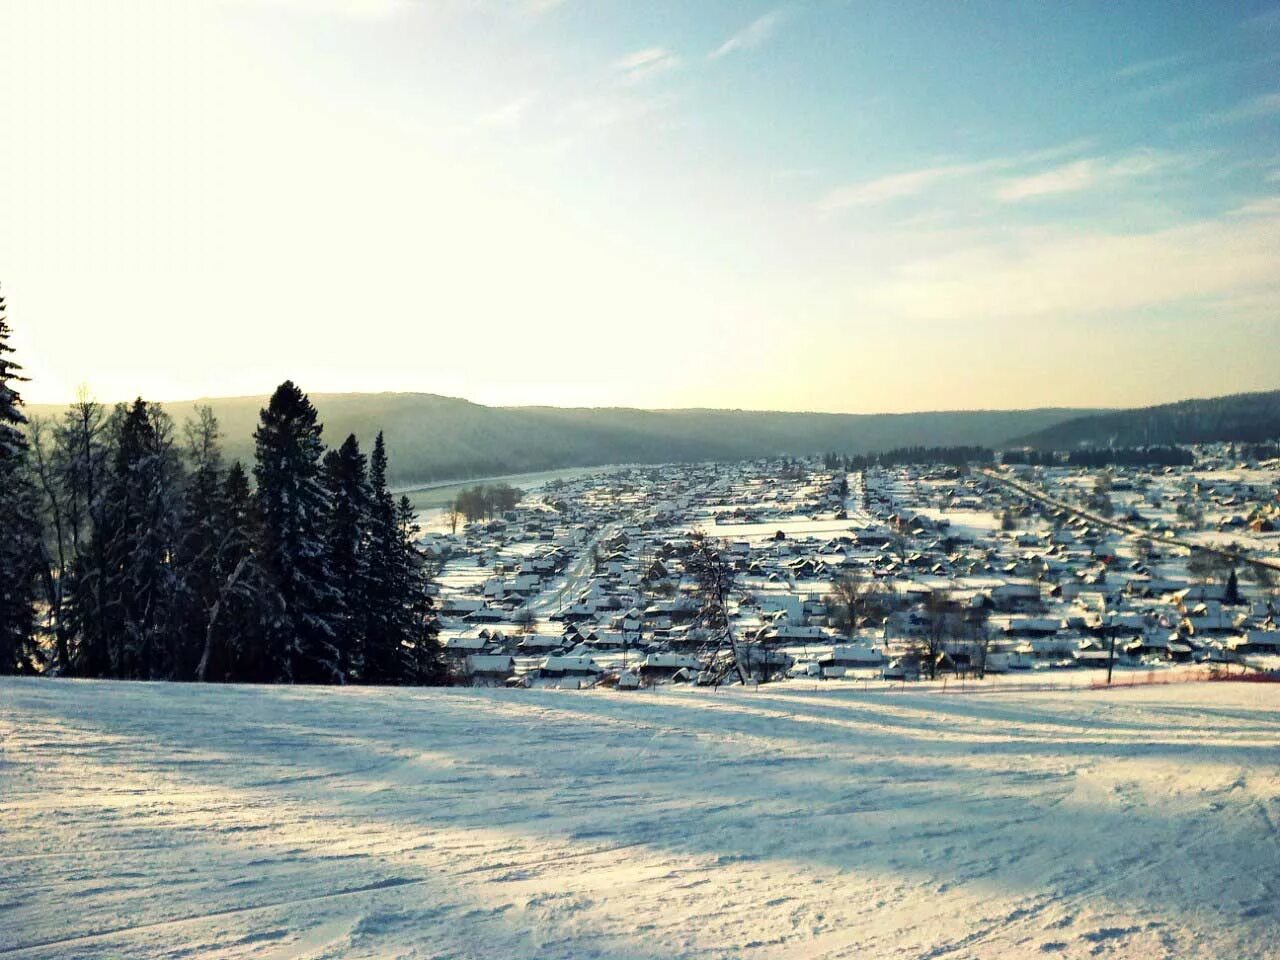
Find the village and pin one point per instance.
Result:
(887, 574)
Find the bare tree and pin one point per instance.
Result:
(452, 516)
(526, 620)
(943, 614)
(715, 576)
(855, 597)
(57, 546)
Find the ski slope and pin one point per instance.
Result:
(158, 820)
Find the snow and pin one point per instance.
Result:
(155, 820)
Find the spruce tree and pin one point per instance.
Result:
(236, 634)
(419, 627)
(292, 507)
(1232, 596)
(345, 552)
(137, 535)
(19, 532)
(383, 652)
(81, 449)
(198, 561)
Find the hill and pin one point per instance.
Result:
(432, 437)
(1241, 417)
(245, 822)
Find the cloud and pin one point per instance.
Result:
(1260, 106)
(1265, 22)
(750, 37)
(614, 109)
(1078, 174)
(1255, 108)
(1071, 274)
(646, 63)
(1084, 174)
(508, 114)
(1143, 67)
(1064, 179)
(896, 186)
(1265, 207)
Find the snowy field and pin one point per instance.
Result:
(155, 820)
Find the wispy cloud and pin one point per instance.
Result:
(1143, 67)
(1084, 174)
(611, 109)
(1010, 179)
(1260, 106)
(1265, 22)
(910, 183)
(755, 34)
(1265, 207)
(896, 186)
(1068, 274)
(646, 63)
(1255, 108)
(508, 114)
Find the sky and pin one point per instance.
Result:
(845, 206)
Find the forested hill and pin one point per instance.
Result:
(1241, 417)
(439, 438)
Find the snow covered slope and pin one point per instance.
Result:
(155, 820)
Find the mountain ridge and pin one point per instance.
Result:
(433, 437)
(1239, 417)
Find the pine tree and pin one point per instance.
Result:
(78, 471)
(198, 561)
(137, 534)
(383, 650)
(292, 505)
(345, 552)
(1232, 596)
(419, 626)
(19, 532)
(236, 634)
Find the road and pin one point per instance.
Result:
(577, 575)
(1125, 528)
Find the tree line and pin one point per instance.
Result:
(954, 456)
(483, 502)
(129, 549)
(1158, 456)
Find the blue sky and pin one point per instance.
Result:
(842, 206)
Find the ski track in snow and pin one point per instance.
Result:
(161, 820)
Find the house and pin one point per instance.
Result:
(664, 666)
(789, 633)
(1033, 627)
(1016, 596)
(465, 645)
(535, 643)
(559, 667)
(1255, 641)
(850, 656)
(489, 670)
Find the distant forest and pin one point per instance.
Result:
(435, 438)
(1240, 418)
(1168, 456)
(899, 456)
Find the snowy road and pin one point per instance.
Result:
(153, 820)
(577, 576)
